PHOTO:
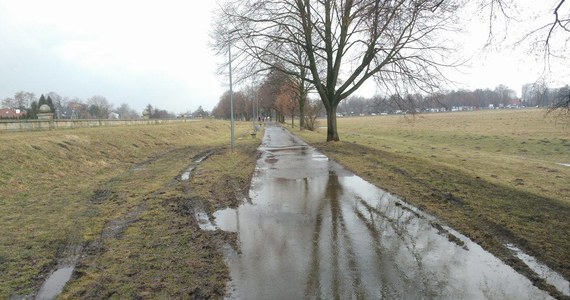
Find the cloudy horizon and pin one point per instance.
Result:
(142, 52)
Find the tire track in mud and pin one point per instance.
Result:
(74, 255)
(115, 227)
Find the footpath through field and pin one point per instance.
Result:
(315, 230)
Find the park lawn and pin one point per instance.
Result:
(493, 175)
(117, 193)
(518, 148)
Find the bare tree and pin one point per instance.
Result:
(505, 94)
(561, 106)
(222, 110)
(301, 85)
(25, 99)
(558, 29)
(356, 105)
(286, 103)
(8, 103)
(378, 104)
(126, 112)
(269, 90)
(314, 108)
(548, 34)
(345, 43)
(554, 35)
(549, 37)
(552, 29)
(249, 102)
(21, 100)
(58, 103)
(99, 107)
(78, 109)
(200, 113)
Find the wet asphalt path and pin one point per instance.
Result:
(314, 230)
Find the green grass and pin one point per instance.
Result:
(493, 175)
(63, 188)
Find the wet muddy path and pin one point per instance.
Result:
(314, 230)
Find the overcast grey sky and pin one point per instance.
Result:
(157, 52)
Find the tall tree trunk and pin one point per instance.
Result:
(332, 134)
(302, 114)
(292, 120)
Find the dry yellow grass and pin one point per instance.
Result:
(514, 148)
(62, 187)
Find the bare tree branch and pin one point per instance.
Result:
(343, 43)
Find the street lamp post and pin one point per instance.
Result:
(253, 113)
(231, 90)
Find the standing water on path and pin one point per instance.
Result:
(315, 230)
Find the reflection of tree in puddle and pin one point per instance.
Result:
(385, 219)
(340, 240)
(339, 237)
(387, 228)
(313, 283)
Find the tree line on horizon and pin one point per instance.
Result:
(276, 97)
(95, 107)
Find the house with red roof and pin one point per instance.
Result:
(8, 113)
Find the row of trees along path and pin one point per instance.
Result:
(334, 46)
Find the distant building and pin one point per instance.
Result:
(66, 113)
(113, 116)
(8, 113)
(527, 93)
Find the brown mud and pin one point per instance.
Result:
(153, 246)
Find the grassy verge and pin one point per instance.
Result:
(491, 175)
(117, 192)
(224, 179)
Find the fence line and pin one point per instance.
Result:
(29, 125)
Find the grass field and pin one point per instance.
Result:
(493, 175)
(515, 148)
(116, 192)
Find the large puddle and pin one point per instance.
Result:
(315, 230)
